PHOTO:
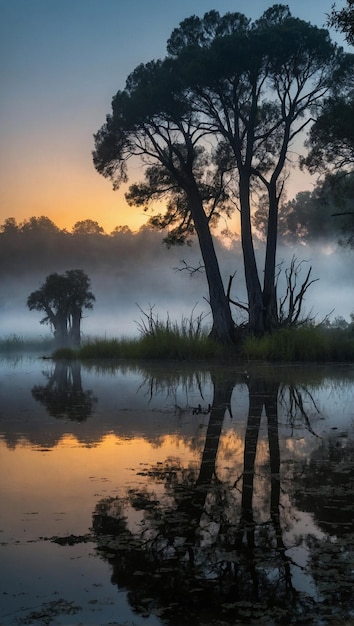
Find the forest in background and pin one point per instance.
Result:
(130, 270)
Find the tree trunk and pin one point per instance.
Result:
(223, 388)
(269, 289)
(61, 330)
(75, 331)
(254, 291)
(223, 328)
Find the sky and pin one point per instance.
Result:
(61, 61)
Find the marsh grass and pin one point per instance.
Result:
(16, 343)
(188, 340)
(159, 339)
(312, 343)
(164, 344)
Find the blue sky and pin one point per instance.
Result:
(61, 61)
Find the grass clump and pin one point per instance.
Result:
(312, 343)
(158, 340)
(186, 340)
(108, 349)
(164, 344)
(160, 346)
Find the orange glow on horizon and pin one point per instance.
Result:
(71, 192)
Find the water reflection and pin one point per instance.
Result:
(213, 496)
(206, 550)
(63, 396)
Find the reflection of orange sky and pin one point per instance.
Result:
(50, 490)
(47, 490)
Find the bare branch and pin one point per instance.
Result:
(189, 268)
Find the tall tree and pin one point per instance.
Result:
(63, 297)
(254, 86)
(152, 123)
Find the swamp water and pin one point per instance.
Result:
(161, 494)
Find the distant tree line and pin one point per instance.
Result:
(38, 244)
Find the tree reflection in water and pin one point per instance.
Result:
(63, 396)
(327, 490)
(204, 553)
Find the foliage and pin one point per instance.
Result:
(255, 85)
(343, 20)
(87, 227)
(331, 139)
(151, 121)
(245, 89)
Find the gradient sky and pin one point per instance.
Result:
(61, 61)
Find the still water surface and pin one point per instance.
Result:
(162, 494)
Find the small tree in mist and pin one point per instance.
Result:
(63, 297)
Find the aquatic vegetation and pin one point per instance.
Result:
(312, 343)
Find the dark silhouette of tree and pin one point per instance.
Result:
(151, 121)
(63, 396)
(39, 224)
(255, 85)
(62, 298)
(248, 90)
(331, 139)
(10, 226)
(87, 227)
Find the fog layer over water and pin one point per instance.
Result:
(136, 270)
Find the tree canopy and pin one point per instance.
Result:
(87, 227)
(150, 120)
(343, 20)
(212, 125)
(62, 298)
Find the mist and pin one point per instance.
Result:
(139, 274)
